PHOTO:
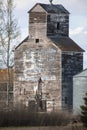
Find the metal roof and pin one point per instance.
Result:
(52, 8)
(66, 44)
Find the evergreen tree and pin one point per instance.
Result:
(84, 112)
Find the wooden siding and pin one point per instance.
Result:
(37, 17)
(37, 25)
(53, 61)
(38, 60)
(72, 64)
(58, 24)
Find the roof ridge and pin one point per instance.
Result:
(51, 8)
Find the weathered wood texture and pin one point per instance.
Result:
(42, 70)
(47, 24)
(72, 64)
(37, 22)
(38, 60)
(58, 24)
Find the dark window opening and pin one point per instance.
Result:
(58, 25)
(66, 100)
(37, 41)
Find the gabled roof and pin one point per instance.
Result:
(66, 44)
(25, 40)
(51, 8)
(82, 74)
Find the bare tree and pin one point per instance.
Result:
(9, 32)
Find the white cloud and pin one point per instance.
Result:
(20, 4)
(27, 4)
(78, 30)
(79, 35)
(79, 6)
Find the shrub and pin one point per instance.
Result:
(84, 112)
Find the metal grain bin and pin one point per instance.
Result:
(79, 90)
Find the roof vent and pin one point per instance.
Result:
(51, 1)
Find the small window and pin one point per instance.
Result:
(37, 41)
(58, 25)
(66, 100)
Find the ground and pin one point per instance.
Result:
(70, 127)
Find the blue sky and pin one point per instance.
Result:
(78, 19)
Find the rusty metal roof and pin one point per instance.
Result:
(66, 44)
(52, 8)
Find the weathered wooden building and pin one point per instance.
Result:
(79, 90)
(46, 61)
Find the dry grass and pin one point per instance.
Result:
(12, 120)
(25, 118)
(73, 127)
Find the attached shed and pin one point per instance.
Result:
(79, 90)
(6, 95)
